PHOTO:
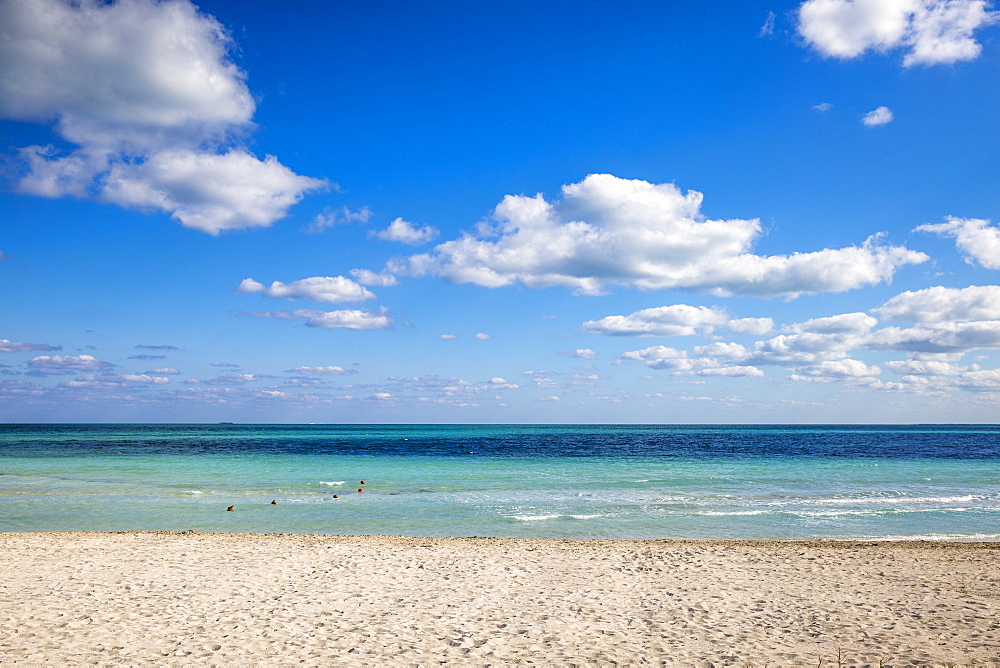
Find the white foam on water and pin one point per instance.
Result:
(332, 483)
(540, 518)
(942, 537)
(891, 500)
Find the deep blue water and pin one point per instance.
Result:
(581, 481)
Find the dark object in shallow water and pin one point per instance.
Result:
(274, 502)
(230, 507)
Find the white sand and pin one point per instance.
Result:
(232, 599)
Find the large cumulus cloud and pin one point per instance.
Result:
(608, 231)
(149, 109)
(929, 31)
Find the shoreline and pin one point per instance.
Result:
(228, 599)
(741, 542)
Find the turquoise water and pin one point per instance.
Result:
(601, 481)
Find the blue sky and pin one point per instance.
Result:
(500, 212)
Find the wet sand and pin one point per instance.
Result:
(250, 599)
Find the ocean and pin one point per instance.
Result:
(873, 482)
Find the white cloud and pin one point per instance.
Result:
(984, 380)
(447, 391)
(374, 279)
(167, 371)
(91, 381)
(209, 192)
(924, 368)
(823, 106)
(751, 325)
(814, 341)
(950, 324)
(147, 94)
(584, 353)
(976, 238)
(731, 372)
(144, 378)
(236, 379)
(846, 323)
(406, 233)
(837, 370)
(323, 371)
(675, 320)
(942, 337)
(20, 388)
(332, 217)
(930, 31)
(132, 72)
(729, 351)
(344, 319)
(940, 304)
(483, 336)
(878, 116)
(326, 289)
(66, 364)
(447, 337)
(768, 27)
(8, 346)
(678, 361)
(610, 231)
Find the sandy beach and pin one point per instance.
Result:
(250, 599)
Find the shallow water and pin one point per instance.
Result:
(603, 481)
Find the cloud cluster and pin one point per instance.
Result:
(91, 381)
(322, 371)
(940, 304)
(664, 357)
(675, 320)
(948, 323)
(343, 319)
(329, 218)
(406, 233)
(930, 31)
(975, 238)
(609, 231)
(8, 346)
(374, 279)
(66, 364)
(146, 95)
(325, 289)
(442, 391)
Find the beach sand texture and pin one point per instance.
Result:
(250, 599)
